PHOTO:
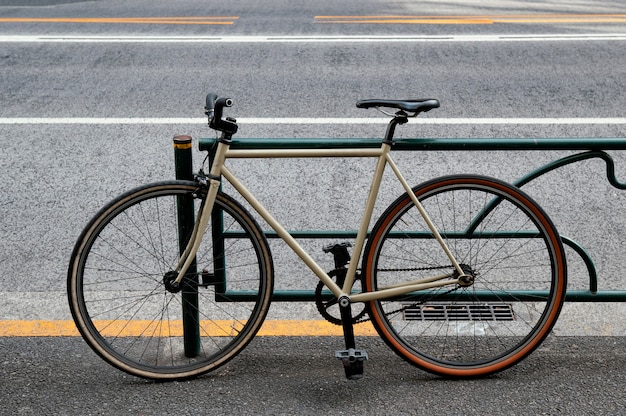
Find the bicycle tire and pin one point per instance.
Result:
(128, 314)
(509, 244)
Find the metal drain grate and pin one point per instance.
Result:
(441, 311)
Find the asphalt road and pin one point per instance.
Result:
(64, 154)
(65, 84)
(300, 376)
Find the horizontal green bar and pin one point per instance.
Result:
(599, 296)
(254, 143)
(207, 144)
(510, 296)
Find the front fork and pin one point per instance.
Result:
(213, 183)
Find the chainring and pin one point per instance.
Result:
(329, 308)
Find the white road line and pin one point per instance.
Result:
(297, 120)
(310, 38)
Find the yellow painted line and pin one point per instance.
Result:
(48, 328)
(414, 20)
(484, 20)
(38, 329)
(312, 328)
(199, 20)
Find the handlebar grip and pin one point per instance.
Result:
(214, 108)
(210, 102)
(216, 104)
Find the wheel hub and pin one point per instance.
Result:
(467, 278)
(169, 281)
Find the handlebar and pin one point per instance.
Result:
(214, 109)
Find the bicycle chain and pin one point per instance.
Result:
(362, 317)
(416, 269)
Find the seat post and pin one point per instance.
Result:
(400, 118)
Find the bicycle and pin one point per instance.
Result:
(162, 307)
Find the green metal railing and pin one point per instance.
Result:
(591, 148)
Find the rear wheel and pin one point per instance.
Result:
(502, 238)
(122, 297)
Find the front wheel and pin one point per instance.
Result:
(503, 239)
(120, 283)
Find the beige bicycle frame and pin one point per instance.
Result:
(218, 170)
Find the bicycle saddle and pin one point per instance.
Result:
(411, 106)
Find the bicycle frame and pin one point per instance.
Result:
(219, 170)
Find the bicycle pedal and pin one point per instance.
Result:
(336, 246)
(340, 253)
(352, 362)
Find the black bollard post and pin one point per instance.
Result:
(186, 219)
